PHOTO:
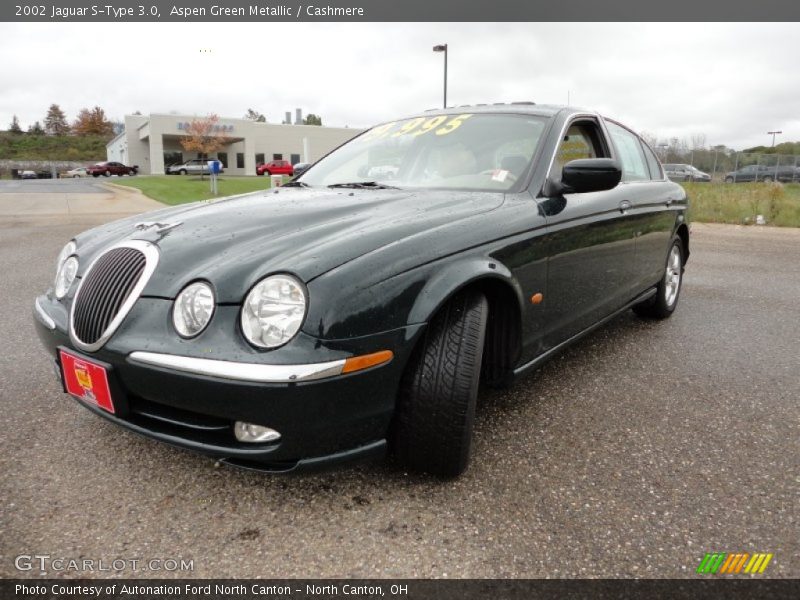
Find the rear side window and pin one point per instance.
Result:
(631, 155)
(652, 163)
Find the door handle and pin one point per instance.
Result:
(624, 206)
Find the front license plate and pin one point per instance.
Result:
(86, 380)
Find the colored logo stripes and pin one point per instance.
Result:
(739, 562)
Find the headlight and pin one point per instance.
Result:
(65, 253)
(65, 276)
(193, 309)
(273, 311)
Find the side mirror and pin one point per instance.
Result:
(587, 175)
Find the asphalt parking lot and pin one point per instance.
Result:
(635, 452)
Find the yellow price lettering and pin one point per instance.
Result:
(452, 124)
(409, 127)
(378, 132)
(430, 124)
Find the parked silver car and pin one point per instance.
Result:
(196, 166)
(677, 172)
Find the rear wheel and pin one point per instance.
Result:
(767, 179)
(663, 304)
(432, 430)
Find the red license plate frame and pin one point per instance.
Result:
(86, 380)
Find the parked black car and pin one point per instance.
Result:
(784, 174)
(337, 317)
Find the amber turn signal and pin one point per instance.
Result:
(537, 298)
(359, 363)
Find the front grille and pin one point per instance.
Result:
(106, 287)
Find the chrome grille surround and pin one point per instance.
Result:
(151, 256)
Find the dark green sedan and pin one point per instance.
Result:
(354, 311)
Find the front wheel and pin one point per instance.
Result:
(729, 180)
(663, 304)
(432, 430)
(767, 179)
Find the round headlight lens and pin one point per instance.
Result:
(193, 309)
(65, 276)
(66, 251)
(273, 311)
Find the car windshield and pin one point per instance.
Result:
(488, 152)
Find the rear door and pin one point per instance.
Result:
(650, 194)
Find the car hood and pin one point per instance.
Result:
(234, 242)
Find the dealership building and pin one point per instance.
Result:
(154, 141)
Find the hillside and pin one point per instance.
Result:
(46, 147)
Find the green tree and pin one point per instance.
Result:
(256, 116)
(36, 129)
(312, 119)
(55, 123)
(14, 127)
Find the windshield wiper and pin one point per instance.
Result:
(364, 185)
(295, 184)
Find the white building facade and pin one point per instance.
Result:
(152, 142)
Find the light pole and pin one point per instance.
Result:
(443, 48)
(773, 134)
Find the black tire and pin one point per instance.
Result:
(767, 179)
(182, 172)
(663, 304)
(432, 430)
(95, 174)
(729, 180)
(107, 174)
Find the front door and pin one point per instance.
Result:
(590, 243)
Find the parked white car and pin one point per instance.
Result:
(196, 166)
(76, 172)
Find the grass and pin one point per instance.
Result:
(179, 189)
(90, 148)
(739, 203)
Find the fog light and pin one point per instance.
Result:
(248, 432)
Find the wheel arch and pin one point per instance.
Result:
(683, 233)
(503, 343)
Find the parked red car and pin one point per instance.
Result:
(276, 167)
(109, 168)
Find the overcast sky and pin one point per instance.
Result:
(732, 82)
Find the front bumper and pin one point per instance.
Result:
(324, 417)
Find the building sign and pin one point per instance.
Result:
(216, 128)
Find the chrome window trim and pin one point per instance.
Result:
(151, 256)
(572, 118)
(239, 371)
(46, 320)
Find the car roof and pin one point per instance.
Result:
(525, 108)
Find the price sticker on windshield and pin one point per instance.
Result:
(416, 127)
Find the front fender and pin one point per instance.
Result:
(338, 310)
